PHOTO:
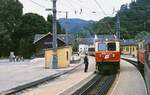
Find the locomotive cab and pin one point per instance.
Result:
(107, 56)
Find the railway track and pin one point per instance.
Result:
(99, 85)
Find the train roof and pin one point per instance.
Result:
(106, 38)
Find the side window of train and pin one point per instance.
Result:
(111, 46)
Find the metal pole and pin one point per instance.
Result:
(55, 59)
(117, 25)
(66, 30)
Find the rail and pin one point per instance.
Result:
(99, 85)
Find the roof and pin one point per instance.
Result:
(38, 37)
(129, 42)
(147, 39)
(109, 37)
(87, 41)
(71, 38)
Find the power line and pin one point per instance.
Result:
(97, 3)
(37, 4)
(71, 5)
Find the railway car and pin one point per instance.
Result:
(91, 51)
(141, 54)
(107, 55)
(147, 63)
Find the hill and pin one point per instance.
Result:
(74, 25)
(134, 21)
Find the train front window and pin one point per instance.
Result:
(91, 49)
(102, 47)
(111, 46)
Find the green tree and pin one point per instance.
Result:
(104, 26)
(50, 25)
(134, 19)
(10, 14)
(31, 24)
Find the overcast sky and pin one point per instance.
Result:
(77, 8)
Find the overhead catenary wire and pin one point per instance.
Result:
(42, 6)
(100, 7)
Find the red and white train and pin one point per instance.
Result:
(107, 55)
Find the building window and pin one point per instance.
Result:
(67, 55)
(127, 49)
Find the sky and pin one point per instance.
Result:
(83, 9)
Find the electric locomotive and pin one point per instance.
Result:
(91, 51)
(107, 55)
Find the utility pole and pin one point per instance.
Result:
(117, 25)
(55, 58)
(66, 30)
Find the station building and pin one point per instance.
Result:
(43, 45)
(129, 47)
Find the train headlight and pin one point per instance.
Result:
(113, 55)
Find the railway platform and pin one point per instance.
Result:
(129, 81)
(17, 74)
(66, 84)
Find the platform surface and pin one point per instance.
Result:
(13, 74)
(61, 85)
(129, 81)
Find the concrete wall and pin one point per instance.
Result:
(63, 59)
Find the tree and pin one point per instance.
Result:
(104, 26)
(31, 24)
(50, 25)
(134, 19)
(10, 14)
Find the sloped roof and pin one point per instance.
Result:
(147, 39)
(38, 37)
(71, 38)
(129, 42)
(87, 41)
